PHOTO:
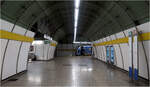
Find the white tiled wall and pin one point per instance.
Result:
(124, 48)
(12, 53)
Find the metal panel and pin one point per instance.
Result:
(9, 66)
(22, 61)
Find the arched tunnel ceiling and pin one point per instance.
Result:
(97, 19)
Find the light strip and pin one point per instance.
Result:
(76, 14)
(82, 42)
(77, 3)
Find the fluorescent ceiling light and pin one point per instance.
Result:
(82, 42)
(75, 33)
(77, 3)
(76, 14)
(37, 42)
(75, 24)
(47, 37)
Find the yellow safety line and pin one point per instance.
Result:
(53, 44)
(13, 36)
(141, 37)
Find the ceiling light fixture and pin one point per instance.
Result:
(76, 14)
(82, 42)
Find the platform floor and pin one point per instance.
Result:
(72, 72)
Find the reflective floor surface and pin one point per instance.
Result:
(72, 72)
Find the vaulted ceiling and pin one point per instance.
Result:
(97, 19)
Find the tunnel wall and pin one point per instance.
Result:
(14, 44)
(122, 49)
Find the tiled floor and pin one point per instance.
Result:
(72, 72)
